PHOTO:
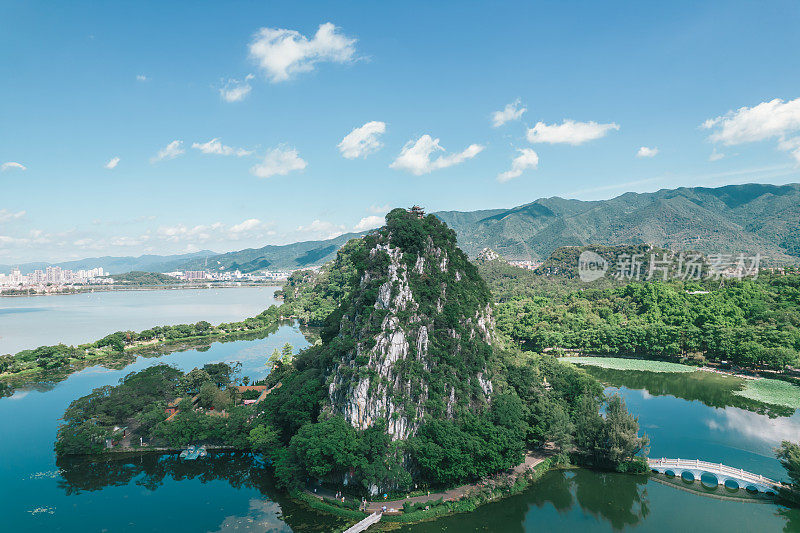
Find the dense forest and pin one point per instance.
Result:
(749, 322)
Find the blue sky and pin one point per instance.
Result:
(87, 82)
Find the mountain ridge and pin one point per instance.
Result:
(113, 264)
(749, 218)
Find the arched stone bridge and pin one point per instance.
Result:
(723, 473)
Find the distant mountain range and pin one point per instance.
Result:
(749, 219)
(117, 265)
(272, 257)
(734, 219)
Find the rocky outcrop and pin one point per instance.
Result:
(417, 332)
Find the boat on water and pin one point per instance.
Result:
(193, 452)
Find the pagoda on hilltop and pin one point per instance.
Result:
(417, 211)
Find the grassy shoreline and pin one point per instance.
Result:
(622, 363)
(771, 391)
(761, 389)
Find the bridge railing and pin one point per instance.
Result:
(714, 468)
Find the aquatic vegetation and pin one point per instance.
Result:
(772, 391)
(40, 510)
(619, 363)
(50, 474)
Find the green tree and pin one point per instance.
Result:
(194, 380)
(286, 353)
(789, 455)
(326, 448)
(264, 439)
(619, 438)
(207, 394)
(588, 425)
(80, 439)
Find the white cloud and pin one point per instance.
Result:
(170, 151)
(236, 90)
(767, 120)
(112, 163)
(142, 77)
(379, 209)
(123, 241)
(792, 146)
(12, 165)
(715, 156)
(362, 141)
(569, 132)
(6, 215)
(215, 232)
(282, 53)
(415, 157)
(512, 111)
(527, 159)
(644, 151)
(279, 161)
(322, 229)
(370, 222)
(214, 146)
(247, 225)
(755, 426)
(775, 118)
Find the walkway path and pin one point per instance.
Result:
(374, 518)
(531, 460)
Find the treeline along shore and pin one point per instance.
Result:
(54, 363)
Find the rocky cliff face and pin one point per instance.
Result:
(415, 338)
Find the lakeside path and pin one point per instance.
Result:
(531, 460)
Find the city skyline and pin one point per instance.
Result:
(224, 138)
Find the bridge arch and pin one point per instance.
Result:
(712, 475)
(709, 480)
(731, 484)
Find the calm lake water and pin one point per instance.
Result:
(224, 493)
(32, 321)
(685, 417)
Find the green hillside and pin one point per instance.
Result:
(748, 219)
(272, 257)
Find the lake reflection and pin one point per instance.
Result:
(118, 496)
(590, 491)
(713, 390)
(271, 511)
(235, 492)
(588, 501)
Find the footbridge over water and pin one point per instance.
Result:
(723, 473)
(374, 518)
